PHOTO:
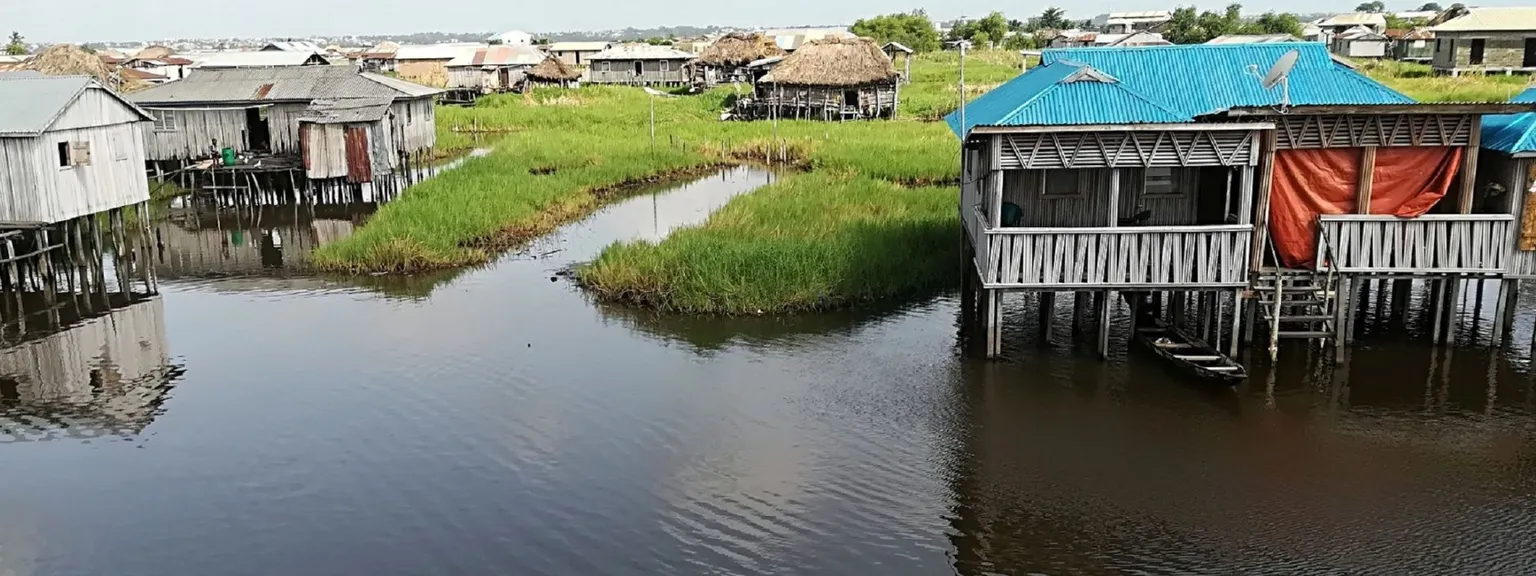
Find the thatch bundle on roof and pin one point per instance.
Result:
(70, 60)
(553, 70)
(739, 48)
(835, 62)
(154, 53)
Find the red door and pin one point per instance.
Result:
(359, 164)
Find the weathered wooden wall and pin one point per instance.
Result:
(195, 133)
(283, 124)
(1089, 205)
(623, 72)
(413, 124)
(35, 188)
(875, 100)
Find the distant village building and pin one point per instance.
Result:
(1411, 45)
(490, 69)
(576, 53)
(1341, 22)
(341, 122)
(899, 52)
(641, 65)
(1253, 39)
(380, 58)
(69, 147)
(428, 64)
(725, 61)
(553, 72)
(512, 38)
(829, 79)
(292, 46)
(1088, 38)
(232, 60)
(1127, 22)
(1486, 40)
(791, 39)
(1359, 42)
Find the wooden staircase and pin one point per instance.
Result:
(1298, 305)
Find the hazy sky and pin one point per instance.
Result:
(102, 20)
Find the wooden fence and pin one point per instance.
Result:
(1435, 244)
(1137, 257)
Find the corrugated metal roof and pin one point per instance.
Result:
(30, 103)
(579, 46)
(499, 56)
(1490, 19)
(1253, 39)
(436, 51)
(1355, 19)
(273, 59)
(641, 52)
(1512, 133)
(1201, 79)
(1063, 93)
(346, 110)
(249, 85)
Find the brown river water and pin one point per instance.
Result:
(255, 420)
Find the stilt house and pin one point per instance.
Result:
(1507, 180)
(830, 79)
(725, 61)
(554, 72)
(640, 65)
(1173, 169)
(69, 148)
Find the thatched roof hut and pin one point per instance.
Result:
(835, 62)
(71, 60)
(739, 48)
(553, 70)
(154, 53)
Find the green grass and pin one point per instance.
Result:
(1419, 82)
(809, 242)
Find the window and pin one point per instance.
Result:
(639, 68)
(74, 154)
(1159, 182)
(1062, 183)
(666, 65)
(604, 66)
(1477, 52)
(165, 120)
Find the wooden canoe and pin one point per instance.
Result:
(1188, 354)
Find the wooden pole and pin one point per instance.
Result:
(1047, 316)
(1367, 176)
(1261, 216)
(1106, 305)
(1237, 321)
(1469, 167)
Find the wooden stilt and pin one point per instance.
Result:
(992, 310)
(1106, 306)
(1047, 316)
(1437, 309)
(1340, 321)
(1237, 321)
(1452, 310)
(1500, 319)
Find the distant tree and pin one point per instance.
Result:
(1017, 25)
(990, 30)
(1184, 27)
(1274, 23)
(981, 40)
(913, 29)
(1021, 41)
(1430, 7)
(17, 45)
(1373, 7)
(1052, 18)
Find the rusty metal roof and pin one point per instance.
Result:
(301, 84)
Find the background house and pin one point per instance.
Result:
(1411, 45)
(1359, 42)
(830, 79)
(640, 64)
(576, 53)
(1341, 22)
(274, 59)
(428, 64)
(489, 69)
(1127, 22)
(1486, 39)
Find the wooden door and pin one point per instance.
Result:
(359, 161)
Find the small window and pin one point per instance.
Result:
(64, 154)
(1476, 56)
(1062, 183)
(605, 66)
(165, 120)
(1159, 182)
(74, 154)
(666, 65)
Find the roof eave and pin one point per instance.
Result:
(1404, 108)
(1161, 126)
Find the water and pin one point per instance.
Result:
(498, 422)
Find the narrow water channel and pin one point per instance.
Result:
(498, 422)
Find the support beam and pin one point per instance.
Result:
(1114, 198)
(1106, 305)
(1344, 294)
(995, 179)
(1237, 322)
(1367, 176)
(1469, 167)
(1047, 316)
(1266, 182)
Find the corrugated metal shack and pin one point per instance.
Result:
(640, 65)
(488, 70)
(347, 138)
(68, 148)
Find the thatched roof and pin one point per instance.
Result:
(739, 48)
(834, 62)
(154, 53)
(71, 60)
(553, 69)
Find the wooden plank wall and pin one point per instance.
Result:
(1132, 257)
(1130, 149)
(413, 124)
(1465, 244)
(1359, 130)
(325, 151)
(37, 189)
(195, 133)
(1090, 207)
(623, 72)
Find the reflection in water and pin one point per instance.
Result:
(102, 374)
(506, 425)
(266, 240)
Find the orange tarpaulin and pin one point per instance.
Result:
(1407, 182)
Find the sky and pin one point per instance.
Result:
(116, 20)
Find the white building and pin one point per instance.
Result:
(512, 38)
(69, 147)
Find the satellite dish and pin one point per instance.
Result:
(1280, 74)
(1281, 69)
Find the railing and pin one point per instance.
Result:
(1125, 258)
(1436, 244)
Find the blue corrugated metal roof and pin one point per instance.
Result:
(1062, 93)
(1185, 81)
(1201, 79)
(1512, 133)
